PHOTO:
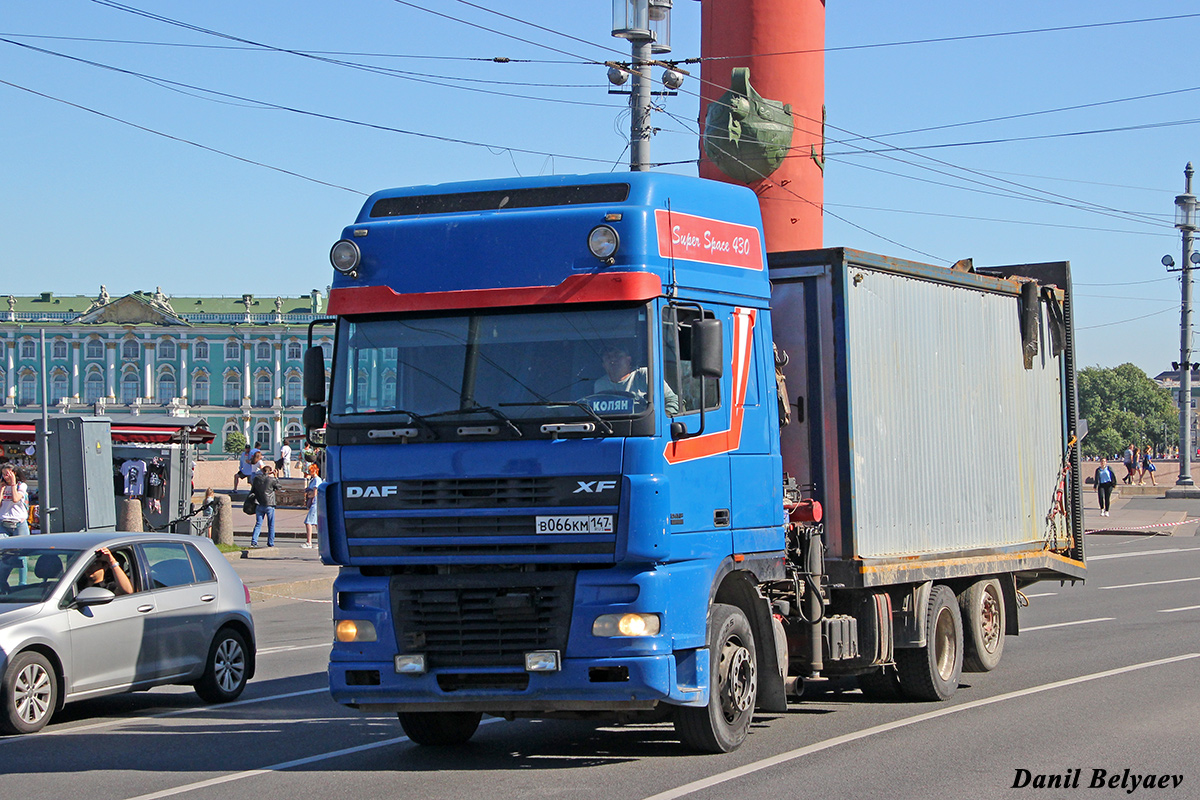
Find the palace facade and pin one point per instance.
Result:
(235, 361)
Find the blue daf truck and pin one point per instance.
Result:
(591, 451)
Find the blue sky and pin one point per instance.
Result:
(90, 199)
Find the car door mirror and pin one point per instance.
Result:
(707, 359)
(93, 596)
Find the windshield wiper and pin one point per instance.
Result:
(478, 409)
(603, 423)
(417, 418)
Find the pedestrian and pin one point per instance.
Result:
(1105, 480)
(310, 500)
(246, 468)
(263, 486)
(1130, 459)
(285, 457)
(14, 503)
(1147, 467)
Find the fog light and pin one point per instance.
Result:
(626, 625)
(411, 665)
(354, 630)
(345, 256)
(603, 242)
(542, 661)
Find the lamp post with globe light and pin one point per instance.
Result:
(1185, 221)
(647, 26)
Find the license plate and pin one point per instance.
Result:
(590, 523)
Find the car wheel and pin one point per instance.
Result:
(439, 728)
(30, 693)
(983, 624)
(225, 671)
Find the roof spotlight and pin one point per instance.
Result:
(345, 256)
(603, 242)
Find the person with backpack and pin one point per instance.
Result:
(263, 488)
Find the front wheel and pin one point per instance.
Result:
(722, 725)
(440, 728)
(932, 672)
(30, 693)
(226, 670)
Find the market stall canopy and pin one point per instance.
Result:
(126, 429)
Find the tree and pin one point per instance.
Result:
(235, 442)
(1123, 406)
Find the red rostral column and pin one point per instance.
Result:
(782, 42)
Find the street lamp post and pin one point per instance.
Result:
(647, 26)
(1185, 220)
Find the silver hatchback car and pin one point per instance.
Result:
(89, 614)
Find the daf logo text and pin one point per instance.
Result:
(371, 491)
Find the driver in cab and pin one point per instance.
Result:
(105, 571)
(620, 376)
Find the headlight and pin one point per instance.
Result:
(345, 256)
(603, 242)
(354, 630)
(626, 625)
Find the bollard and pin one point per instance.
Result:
(222, 528)
(129, 516)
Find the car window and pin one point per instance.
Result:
(199, 565)
(125, 560)
(168, 565)
(30, 575)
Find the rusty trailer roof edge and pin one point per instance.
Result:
(885, 572)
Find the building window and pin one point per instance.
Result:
(233, 350)
(200, 350)
(295, 391)
(327, 349)
(294, 432)
(166, 349)
(26, 394)
(233, 391)
(93, 387)
(94, 349)
(294, 351)
(130, 349)
(262, 351)
(230, 428)
(166, 387)
(58, 349)
(200, 394)
(58, 387)
(262, 391)
(262, 437)
(129, 388)
(28, 348)
(3, 347)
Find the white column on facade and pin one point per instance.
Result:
(183, 380)
(10, 373)
(110, 375)
(76, 346)
(278, 440)
(277, 378)
(247, 378)
(148, 361)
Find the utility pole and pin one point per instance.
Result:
(1185, 220)
(647, 26)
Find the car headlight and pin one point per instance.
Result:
(627, 625)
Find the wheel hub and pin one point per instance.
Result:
(31, 694)
(737, 678)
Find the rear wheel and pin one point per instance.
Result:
(722, 725)
(30, 693)
(983, 625)
(440, 728)
(932, 672)
(226, 670)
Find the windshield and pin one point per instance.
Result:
(572, 364)
(29, 575)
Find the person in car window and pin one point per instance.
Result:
(106, 572)
(621, 377)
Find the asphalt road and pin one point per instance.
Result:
(1103, 677)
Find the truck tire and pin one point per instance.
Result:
(30, 693)
(439, 728)
(932, 672)
(982, 607)
(880, 685)
(722, 725)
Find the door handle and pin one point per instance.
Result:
(146, 609)
(207, 598)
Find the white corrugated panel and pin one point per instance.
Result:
(954, 444)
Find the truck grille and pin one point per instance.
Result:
(402, 537)
(476, 493)
(488, 620)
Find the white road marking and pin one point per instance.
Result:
(174, 713)
(1065, 624)
(1182, 608)
(791, 755)
(287, 648)
(1107, 556)
(299, 762)
(1149, 583)
(1043, 594)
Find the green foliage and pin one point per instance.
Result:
(1122, 406)
(235, 442)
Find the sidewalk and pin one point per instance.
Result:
(284, 571)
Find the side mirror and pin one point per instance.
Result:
(708, 359)
(314, 375)
(314, 417)
(93, 596)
